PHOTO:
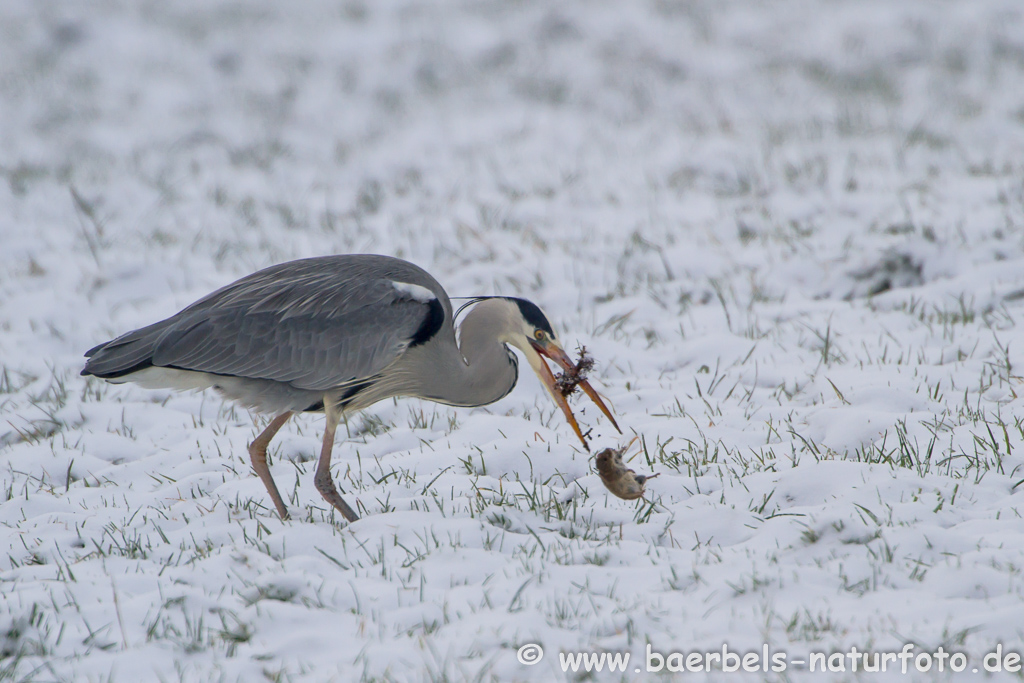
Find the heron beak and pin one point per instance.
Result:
(555, 353)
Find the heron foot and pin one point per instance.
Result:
(258, 455)
(325, 485)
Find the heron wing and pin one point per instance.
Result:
(315, 324)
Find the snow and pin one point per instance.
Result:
(791, 234)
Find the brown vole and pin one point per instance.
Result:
(620, 480)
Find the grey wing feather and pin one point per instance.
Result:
(315, 324)
(127, 353)
(306, 351)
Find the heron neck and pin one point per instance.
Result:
(481, 369)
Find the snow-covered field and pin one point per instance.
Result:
(791, 233)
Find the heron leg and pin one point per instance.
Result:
(324, 483)
(258, 454)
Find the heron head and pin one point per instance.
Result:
(533, 335)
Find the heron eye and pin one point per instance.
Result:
(539, 335)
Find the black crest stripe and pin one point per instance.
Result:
(533, 315)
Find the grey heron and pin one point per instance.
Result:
(337, 334)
